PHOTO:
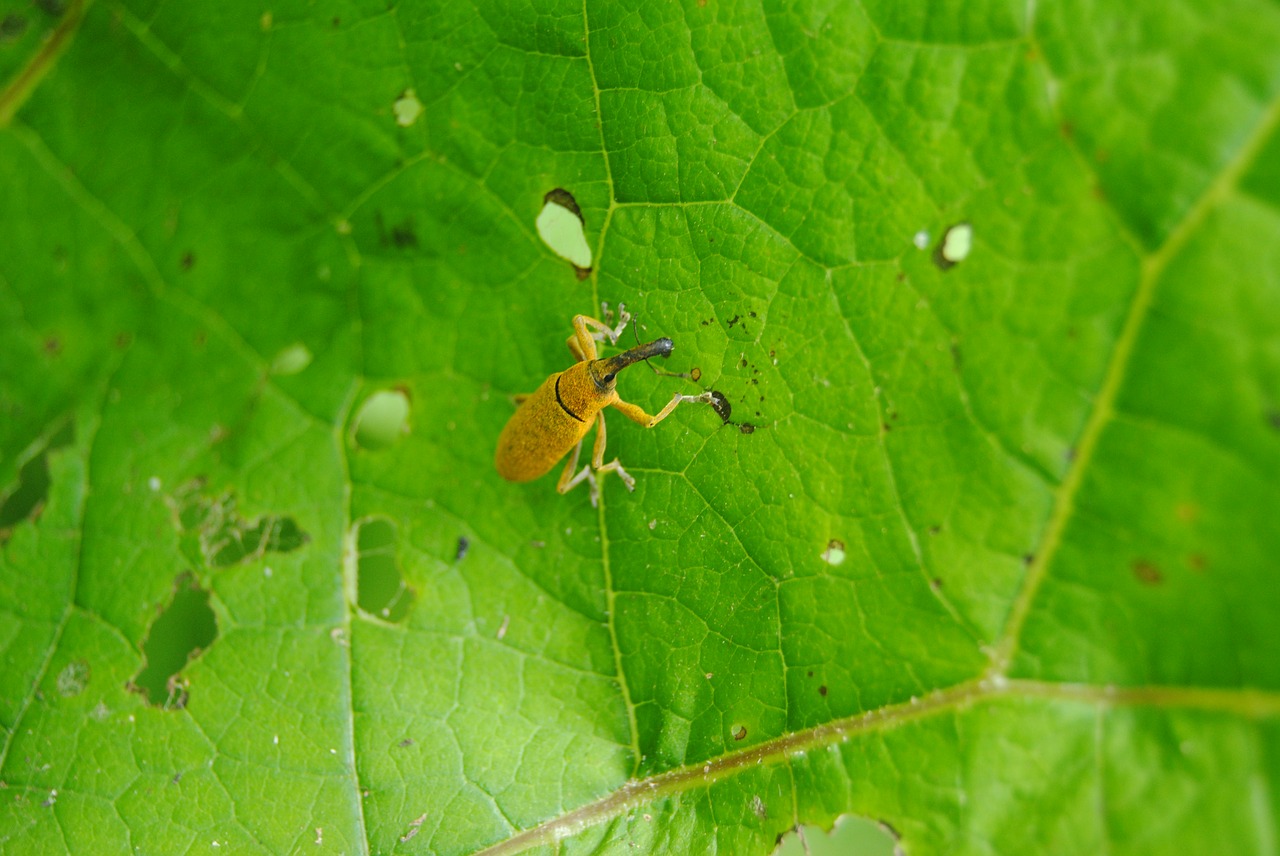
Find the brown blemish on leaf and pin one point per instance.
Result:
(1147, 572)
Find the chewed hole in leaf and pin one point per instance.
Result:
(834, 554)
(380, 587)
(955, 246)
(849, 834)
(407, 108)
(291, 360)
(222, 537)
(25, 499)
(562, 229)
(382, 420)
(184, 629)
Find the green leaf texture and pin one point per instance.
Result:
(987, 552)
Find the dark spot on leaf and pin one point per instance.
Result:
(406, 743)
(581, 273)
(54, 8)
(1197, 561)
(747, 428)
(721, 405)
(1147, 572)
(403, 236)
(936, 583)
(25, 500)
(180, 633)
(463, 546)
(1273, 419)
(1070, 454)
(1187, 512)
(934, 530)
(734, 320)
(124, 339)
(73, 678)
(1028, 558)
(202, 338)
(811, 674)
(956, 359)
(12, 26)
(188, 260)
(1067, 129)
(740, 733)
(695, 374)
(887, 428)
(380, 586)
(742, 364)
(53, 346)
(822, 690)
(706, 322)
(753, 315)
(337, 22)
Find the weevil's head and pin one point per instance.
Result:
(605, 372)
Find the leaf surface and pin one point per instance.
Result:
(985, 552)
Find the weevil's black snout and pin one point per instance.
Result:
(611, 366)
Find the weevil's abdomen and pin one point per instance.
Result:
(539, 434)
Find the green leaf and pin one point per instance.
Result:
(984, 552)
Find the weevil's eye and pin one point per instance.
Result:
(609, 377)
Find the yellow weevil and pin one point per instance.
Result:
(557, 416)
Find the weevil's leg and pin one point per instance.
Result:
(568, 481)
(583, 342)
(636, 413)
(597, 457)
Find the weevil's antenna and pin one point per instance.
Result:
(652, 367)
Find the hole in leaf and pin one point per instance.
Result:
(407, 108)
(383, 419)
(179, 634)
(955, 246)
(849, 834)
(380, 588)
(222, 537)
(562, 229)
(291, 360)
(834, 554)
(26, 499)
